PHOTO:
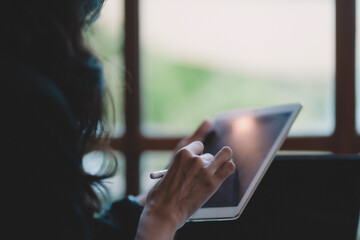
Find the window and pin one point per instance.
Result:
(257, 52)
(201, 57)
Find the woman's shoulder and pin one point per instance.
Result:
(27, 92)
(44, 158)
(39, 122)
(24, 84)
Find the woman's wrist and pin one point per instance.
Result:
(153, 225)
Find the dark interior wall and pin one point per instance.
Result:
(300, 197)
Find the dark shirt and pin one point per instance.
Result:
(41, 184)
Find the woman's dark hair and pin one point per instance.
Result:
(47, 35)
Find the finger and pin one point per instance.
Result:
(196, 148)
(201, 131)
(225, 170)
(199, 135)
(224, 155)
(207, 157)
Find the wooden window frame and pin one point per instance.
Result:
(344, 139)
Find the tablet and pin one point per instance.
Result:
(254, 135)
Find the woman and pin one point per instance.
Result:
(53, 114)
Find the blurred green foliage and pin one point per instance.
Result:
(177, 96)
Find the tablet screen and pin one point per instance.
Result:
(251, 137)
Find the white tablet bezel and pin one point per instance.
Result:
(230, 213)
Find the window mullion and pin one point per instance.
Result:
(345, 130)
(132, 138)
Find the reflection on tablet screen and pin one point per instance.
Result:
(251, 138)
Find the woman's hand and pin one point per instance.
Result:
(198, 135)
(191, 180)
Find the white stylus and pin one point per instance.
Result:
(158, 174)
